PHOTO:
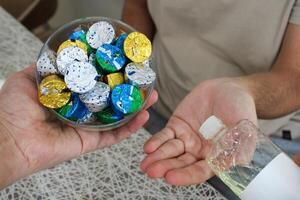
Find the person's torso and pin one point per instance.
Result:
(200, 40)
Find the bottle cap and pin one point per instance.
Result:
(211, 127)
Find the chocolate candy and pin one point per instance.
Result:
(126, 98)
(120, 41)
(100, 33)
(143, 94)
(108, 115)
(52, 92)
(148, 62)
(137, 47)
(110, 58)
(92, 63)
(92, 59)
(88, 118)
(96, 99)
(80, 77)
(139, 75)
(114, 79)
(69, 55)
(75, 110)
(46, 64)
(74, 43)
(78, 34)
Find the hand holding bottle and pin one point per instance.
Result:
(177, 153)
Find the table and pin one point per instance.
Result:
(111, 173)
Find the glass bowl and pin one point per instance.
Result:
(61, 35)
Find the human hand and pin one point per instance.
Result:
(40, 141)
(177, 153)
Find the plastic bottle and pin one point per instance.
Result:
(249, 163)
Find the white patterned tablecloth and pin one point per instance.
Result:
(112, 173)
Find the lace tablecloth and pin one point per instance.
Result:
(112, 173)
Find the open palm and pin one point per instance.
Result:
(43, 141)
(178, 151)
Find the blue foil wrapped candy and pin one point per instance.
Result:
(126, 98)
(75, 110)
(108, 115)
(120, 41)
(110, 58)
(78, 35)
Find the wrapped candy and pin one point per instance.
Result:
(110, 58)
(74, 43)
(100, 33)
(114, 79)
(46, 64)
(143, 94)
(75, 110)
(53, 92)
(120, 41)
(80, 34)
(96, 99)
(80, 77)
(137, 47)
(69, 55)
(85, 81)
(126, 98)
(109, 115)
(139, 75)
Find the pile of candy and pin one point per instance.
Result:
(96, 76)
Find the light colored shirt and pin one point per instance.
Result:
(199, 40)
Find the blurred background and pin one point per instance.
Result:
(42, 17)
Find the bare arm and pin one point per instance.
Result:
(136, 14)
(277, 92)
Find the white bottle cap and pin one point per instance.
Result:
(211, 127)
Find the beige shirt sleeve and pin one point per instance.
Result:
(295, 14)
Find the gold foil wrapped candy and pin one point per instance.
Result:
(75, 43)
(137, 47)
(114, 79)
(51, 92)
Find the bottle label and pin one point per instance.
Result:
(279, 180)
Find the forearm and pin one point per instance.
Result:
(275, 93)
(136, 14)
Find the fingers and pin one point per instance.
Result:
(29, 72)
(109, 138)
(133, 126)
(158, 139)
(152, 99)
(160, 168)
(196, 173)
(170, 149)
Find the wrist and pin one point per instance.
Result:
(13, 164)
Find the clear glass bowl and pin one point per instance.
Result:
(61, 35)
